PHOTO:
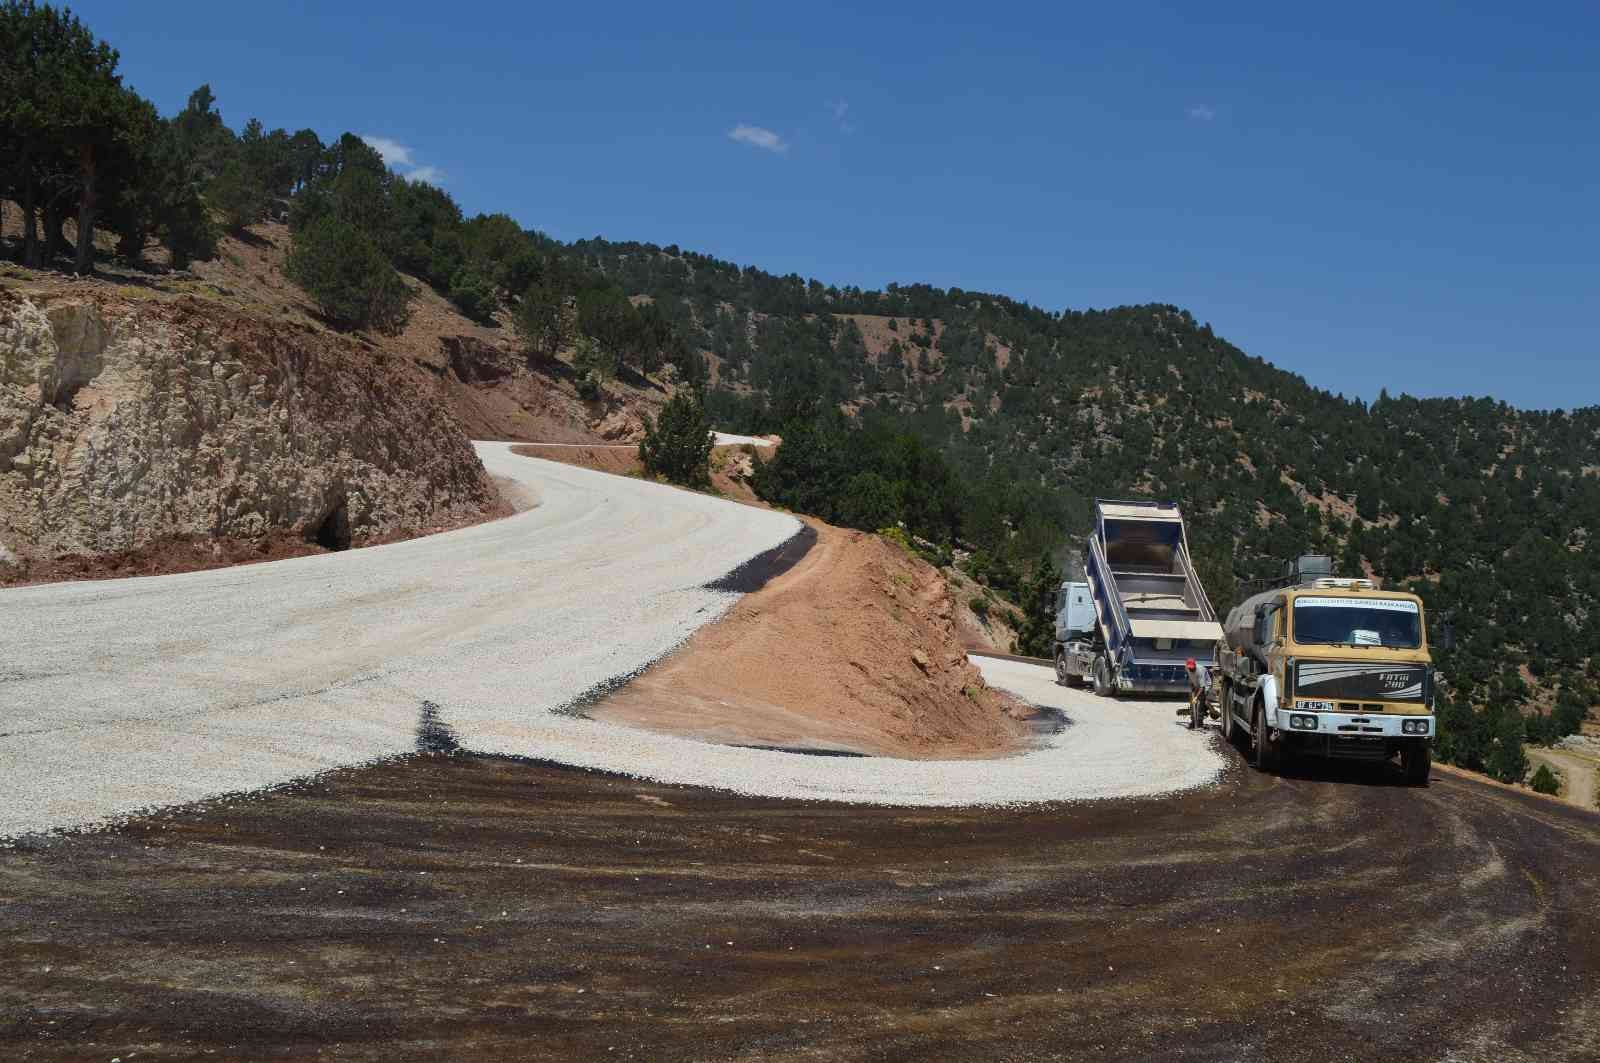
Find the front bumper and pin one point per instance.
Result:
(1354, 725)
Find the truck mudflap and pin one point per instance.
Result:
(1161, 678)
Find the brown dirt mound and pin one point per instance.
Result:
(854, 649)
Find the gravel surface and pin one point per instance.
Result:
(131, 694)
(125, 694)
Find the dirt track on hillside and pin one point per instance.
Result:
(470, 907)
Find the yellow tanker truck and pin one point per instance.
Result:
(1318, 665)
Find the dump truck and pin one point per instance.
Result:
(1315, 664)
(1140, 613)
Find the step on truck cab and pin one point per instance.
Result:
(1140, 613)
(1317, 665)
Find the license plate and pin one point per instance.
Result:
(1314, 706)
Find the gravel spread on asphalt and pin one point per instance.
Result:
(126, 695)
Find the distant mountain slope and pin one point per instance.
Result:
(1486, 510)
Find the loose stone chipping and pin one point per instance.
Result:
(123, 695)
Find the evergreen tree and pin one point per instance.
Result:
(677, 444)
(344, 271)
(1036, 637)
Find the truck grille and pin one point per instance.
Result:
(1357, 748)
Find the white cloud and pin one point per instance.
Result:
(1202, 112)
(756, 137)
(400, 159)
(839, 109)
(394, 153)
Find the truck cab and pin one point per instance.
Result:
(1329, 667)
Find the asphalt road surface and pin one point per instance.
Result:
(125, 694)
(470, 907)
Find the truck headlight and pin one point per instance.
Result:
(1414, 727)
(1303, 723)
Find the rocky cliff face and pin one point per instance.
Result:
(124, 420)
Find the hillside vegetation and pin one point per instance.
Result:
(980, 419)
(982, 425)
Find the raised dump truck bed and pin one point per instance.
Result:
(1150, 612)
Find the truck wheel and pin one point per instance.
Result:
(1266, 750)
(1229, 731)
(1102, 677)
(1416, 760)
(1061, 668)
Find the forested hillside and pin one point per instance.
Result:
(1484, 510)
(983, 425)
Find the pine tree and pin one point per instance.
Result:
(677, 444)
(1037, 636)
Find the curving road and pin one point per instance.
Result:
(135, 694)
(125, 694)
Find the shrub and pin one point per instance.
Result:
(473, 294)
(342, 269)
(677, 444)
(1544, 781)
(979, 606)
(541, 319)
(238, 195)
(589, 357)
(898, 536)
(588, 387)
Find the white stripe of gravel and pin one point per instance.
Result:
(132, 694)
(119, 695)
(1109, 749)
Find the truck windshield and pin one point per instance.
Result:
(1358, 622)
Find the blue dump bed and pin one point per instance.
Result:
(1154, 614)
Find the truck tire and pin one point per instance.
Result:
(1061, 668)
(1267, 754)
(1416, 760)
(1230, 732)
(1102, 678)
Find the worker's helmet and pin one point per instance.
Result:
(1189, 664)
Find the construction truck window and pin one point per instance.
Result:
(1357, 622)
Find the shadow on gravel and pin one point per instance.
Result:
(433, 734)
(805, 752)
(767, 565)
(1048, 721)
(1322, 769)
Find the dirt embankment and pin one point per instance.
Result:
(478, 369)
(859, 648)
(852, 650)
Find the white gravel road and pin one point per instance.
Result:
(123, 695)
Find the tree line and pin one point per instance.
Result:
(82, 150)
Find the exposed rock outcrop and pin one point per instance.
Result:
(124, 420)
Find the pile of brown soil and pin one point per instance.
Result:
(854, 649)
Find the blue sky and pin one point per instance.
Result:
(1398, 194)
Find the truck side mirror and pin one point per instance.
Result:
(1447, 634)
(1261, 625)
